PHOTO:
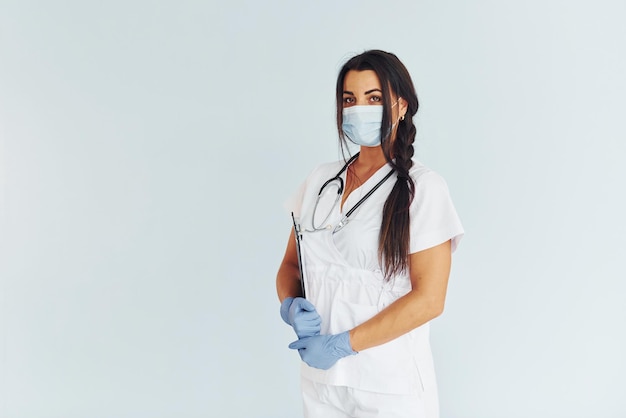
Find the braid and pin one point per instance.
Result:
(394, 239)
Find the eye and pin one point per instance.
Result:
(376, 99)
(348, 100)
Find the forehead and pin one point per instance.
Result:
(361, 81)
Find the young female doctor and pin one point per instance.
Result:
(377, 232)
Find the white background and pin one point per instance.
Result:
(148, 146)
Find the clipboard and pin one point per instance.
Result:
(298, 234)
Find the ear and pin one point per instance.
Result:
(403, 106)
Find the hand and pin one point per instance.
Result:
(302, 316)
(322, 351)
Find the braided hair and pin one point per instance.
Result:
(394, 238)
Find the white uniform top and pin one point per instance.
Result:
(343, 277)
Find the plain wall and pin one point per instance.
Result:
(148, 147)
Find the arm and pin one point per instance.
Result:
(429, 271)
(288, 277)
(295, 311)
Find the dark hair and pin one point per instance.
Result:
(393, 241)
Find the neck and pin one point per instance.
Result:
(371, 158)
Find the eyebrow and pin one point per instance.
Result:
(367, 92)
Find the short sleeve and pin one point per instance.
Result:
(433, 217)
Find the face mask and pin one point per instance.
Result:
(362, 124)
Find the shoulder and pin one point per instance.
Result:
(311, 185)
(433, 216)
(329, 167)
(325, 170)
(425, 177)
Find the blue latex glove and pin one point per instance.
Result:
(322, 351)
(302, 316)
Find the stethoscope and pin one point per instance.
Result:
(338, 182)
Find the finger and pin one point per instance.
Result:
(299, 344)
(307, 306)
(303, 305)
(308, 317)
(307, 331)
(300, 328)
(315, 321)
(307, 322)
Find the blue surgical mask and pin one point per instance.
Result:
(362, 124)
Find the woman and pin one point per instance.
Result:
(377, 233)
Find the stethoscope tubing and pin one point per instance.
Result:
(344, 219)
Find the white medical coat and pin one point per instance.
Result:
(345, 282)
